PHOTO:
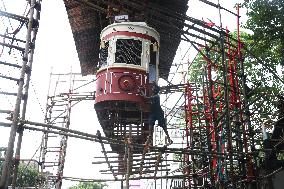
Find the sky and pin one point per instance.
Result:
(55, 48)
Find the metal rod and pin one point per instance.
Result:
(13, 38)
(128, 168)
(13, 47)
(226, 98)
(9, 64)
(218, 6)
(15, 16)
(79, 134)
(5, 111)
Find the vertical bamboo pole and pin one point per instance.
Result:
(226, 98)
(23, 115)
(129, 156)
(245, 99)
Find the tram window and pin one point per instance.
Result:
(104, 54)
(153, 55)
(152, 64)
(128, 51)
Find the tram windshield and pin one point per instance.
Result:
(128, 51)
(104, 55)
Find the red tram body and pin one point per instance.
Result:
(129, 60)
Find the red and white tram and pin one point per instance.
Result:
(129, 59)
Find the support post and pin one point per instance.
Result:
(128, 167)
(129, 156)
(228, 126)
(26, 89)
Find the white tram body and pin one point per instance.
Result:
(129, 60)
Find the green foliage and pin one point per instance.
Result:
(196, 69)
(88, 185)
(280, 156)
(265, 19)
(28, 176)
(267, 22)
(177, 157)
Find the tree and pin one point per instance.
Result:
(266, 48)
(88, 185)
(265, 19)
(28, 176)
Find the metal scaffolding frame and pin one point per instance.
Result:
(65, 92)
